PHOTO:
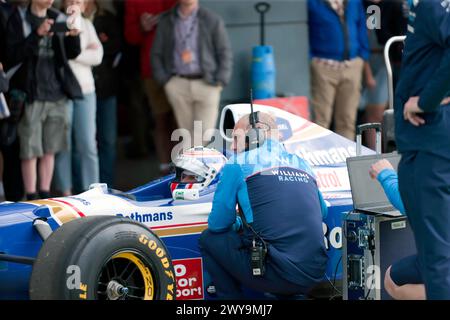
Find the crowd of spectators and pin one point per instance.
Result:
(64, 85)
(168, 58)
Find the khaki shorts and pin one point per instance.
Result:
(43, 129)
(156, 97)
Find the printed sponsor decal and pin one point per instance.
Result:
(291, 175)
(79, 199)
(284, 128)
(332, 238)
(189, 275)
(332, 179)
(148, 217)
(324, 157)
(164, 259)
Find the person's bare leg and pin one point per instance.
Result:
(46, 165)
(29, 175)
(373, 114)
(405, 292)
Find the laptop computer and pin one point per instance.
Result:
(368, 194)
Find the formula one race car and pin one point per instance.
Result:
(142, 244)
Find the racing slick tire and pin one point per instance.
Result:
(105, 258)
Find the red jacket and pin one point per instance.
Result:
(133, 32)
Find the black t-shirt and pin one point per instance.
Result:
(5, 11)
(48, 87)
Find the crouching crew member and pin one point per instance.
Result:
(422, 121)
(275, 244)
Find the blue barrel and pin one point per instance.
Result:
(263, 72)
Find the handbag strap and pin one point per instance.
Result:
(11, 72)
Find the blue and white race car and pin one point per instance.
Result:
(142, 244)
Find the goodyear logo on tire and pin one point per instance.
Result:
(161, 254)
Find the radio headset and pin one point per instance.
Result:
(255, 136)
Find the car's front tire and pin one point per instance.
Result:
(103, 257)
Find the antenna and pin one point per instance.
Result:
(252, 114)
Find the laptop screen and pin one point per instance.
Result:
(367, 192)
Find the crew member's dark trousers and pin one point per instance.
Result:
(424, 182)
(12, 172)
(228, 263)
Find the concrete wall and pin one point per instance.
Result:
(286, 31)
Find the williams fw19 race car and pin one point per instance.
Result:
(143, 244)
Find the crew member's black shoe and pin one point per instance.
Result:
(44, 194)
(32, 196)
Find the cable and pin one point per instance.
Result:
(333, 284)
(336, 270)
(372, 253)
(336, 292)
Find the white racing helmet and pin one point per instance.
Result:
(197, 172)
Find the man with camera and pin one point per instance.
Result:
(41, 52)
(9, 143)
(274, 244)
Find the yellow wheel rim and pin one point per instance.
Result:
(143, 269)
